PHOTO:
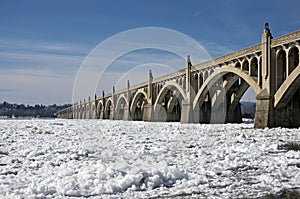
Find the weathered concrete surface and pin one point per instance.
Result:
(210, 92)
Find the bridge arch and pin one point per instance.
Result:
(245, 65)
(137, 105)
(183, 82)
(281, 67)
(287, 101)
(203, 97)
(75, 116)
(238, 65)
(82, 111)
(87, 111)
(167, 106)
(205, 75)
(200, 80)
(168, 86)
(254, 67)
(288, 88)
(120, 107)
(243, 87)
(109, 109)
(195, 81)
(100, 110)
(293, 58)
(78, 111)
(219, 73)
(93, 110)
(227, 86)
(226, 106)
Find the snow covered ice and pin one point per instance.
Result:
(118, 159)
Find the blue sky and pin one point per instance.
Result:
(43, 43)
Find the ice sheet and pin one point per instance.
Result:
(113, 159)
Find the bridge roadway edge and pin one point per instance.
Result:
(267, 111)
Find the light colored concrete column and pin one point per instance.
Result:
(112, 113)
(84, 110)
(287, 64)
(127, 107)
(258, 71)
(199, 82)
(265, 99)
(264, 110)
(298, 55)
(187, 106)
(148, 114)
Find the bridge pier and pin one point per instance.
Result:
(148, 113)
(284, 115)
(126, 115)
(287, 114)
(111, 113)
(295, 110)
(186, 112)
(264, 116)
(101, 115)
(264, 110)
(234, 116)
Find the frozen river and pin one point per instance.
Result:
(118, 159)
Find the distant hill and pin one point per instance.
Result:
(248, 109)
(9, 110)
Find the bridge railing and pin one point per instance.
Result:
(64, 111)
(240, 54)
(286, 38)
(155, 80)
(169, 76)
(209, 63)
(229, 57)
(134, 87)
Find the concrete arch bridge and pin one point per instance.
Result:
(210, 92)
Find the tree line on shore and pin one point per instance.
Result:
(13, 110)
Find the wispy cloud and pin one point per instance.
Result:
(33, 66)
(30, 60)
(24, 55)
(144, 56)
(199, 12)
(39, 71)
(5, 90)
(40, 46)
(36, 86)
(216, 50)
